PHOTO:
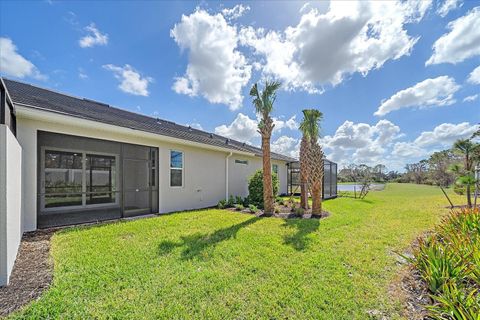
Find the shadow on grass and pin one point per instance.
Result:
(299, 240)
(196, 244)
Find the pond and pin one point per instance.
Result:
(358, 187)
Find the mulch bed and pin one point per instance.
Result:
(32, 273)
(284, 211)
(410, 288)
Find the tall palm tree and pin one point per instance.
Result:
(310, 128)
(263, 102)
(468, 149)
(304, 168)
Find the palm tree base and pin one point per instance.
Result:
(266, 215)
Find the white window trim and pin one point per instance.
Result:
(172, 168)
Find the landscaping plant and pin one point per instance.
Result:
(263, 102)
(255, 188)
(449, 263)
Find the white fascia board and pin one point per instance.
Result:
(36, 113)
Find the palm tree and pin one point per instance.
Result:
(304, 169)
(310, 127)
(468, 149)
(263, 102)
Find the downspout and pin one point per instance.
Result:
(226, 174)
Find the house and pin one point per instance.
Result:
(67, 160)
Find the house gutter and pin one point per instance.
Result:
(226, 174)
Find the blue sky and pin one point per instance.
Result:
(395, 81)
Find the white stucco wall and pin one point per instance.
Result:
(239, 174)
(204, 169)
(10, 202)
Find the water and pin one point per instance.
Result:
(350, 187)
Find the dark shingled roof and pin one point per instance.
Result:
(33, 96)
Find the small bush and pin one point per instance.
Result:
(238, 200)
(222, 204)
(246, 202)
(459, 189)
(253, 208)
(255, 188)
(299, 211)
(231, 202)
(277, 210)
(239, 207)
(449, 263)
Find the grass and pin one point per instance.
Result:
(219, 264)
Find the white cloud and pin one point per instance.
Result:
(93, 37)
(361, 142)
(287, 146)
(130, 80)
(14, 64)
(216, 69)
(474, 76)
(242, 129)
(430, 92)
(461, 42)
(470, 98)
(196, 125)
(81, 74)
(445, 134)
(408, 150)
(441, 137)
(235, 12)
(447, 6)
(324, 48)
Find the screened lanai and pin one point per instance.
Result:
(329, 189)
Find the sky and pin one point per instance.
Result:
(395, 81)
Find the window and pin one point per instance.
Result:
(78, 179)
(245, 162)
(63, 179)
(101, 178)
(176, 168)
(275, 168)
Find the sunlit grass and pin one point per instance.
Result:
(220, 264)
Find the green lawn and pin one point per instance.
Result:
(223, 265)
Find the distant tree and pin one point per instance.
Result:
(416, 172)
(263, 102)
(439, 164)
(466, 171)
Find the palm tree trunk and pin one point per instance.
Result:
(304, 173)
(267, 177)
(316, 199)
(469, 196)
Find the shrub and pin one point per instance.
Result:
(459, 189)
(277, 210)
(239, 207)
(222, 204)
(239, 200)
(253, 208)
(246, 202)
(449, 262)
(255, 188)
(231, 202)
(299, 211)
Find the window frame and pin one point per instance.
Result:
(242, 162)
(276, 166)
(182, 169)
(84, 204)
